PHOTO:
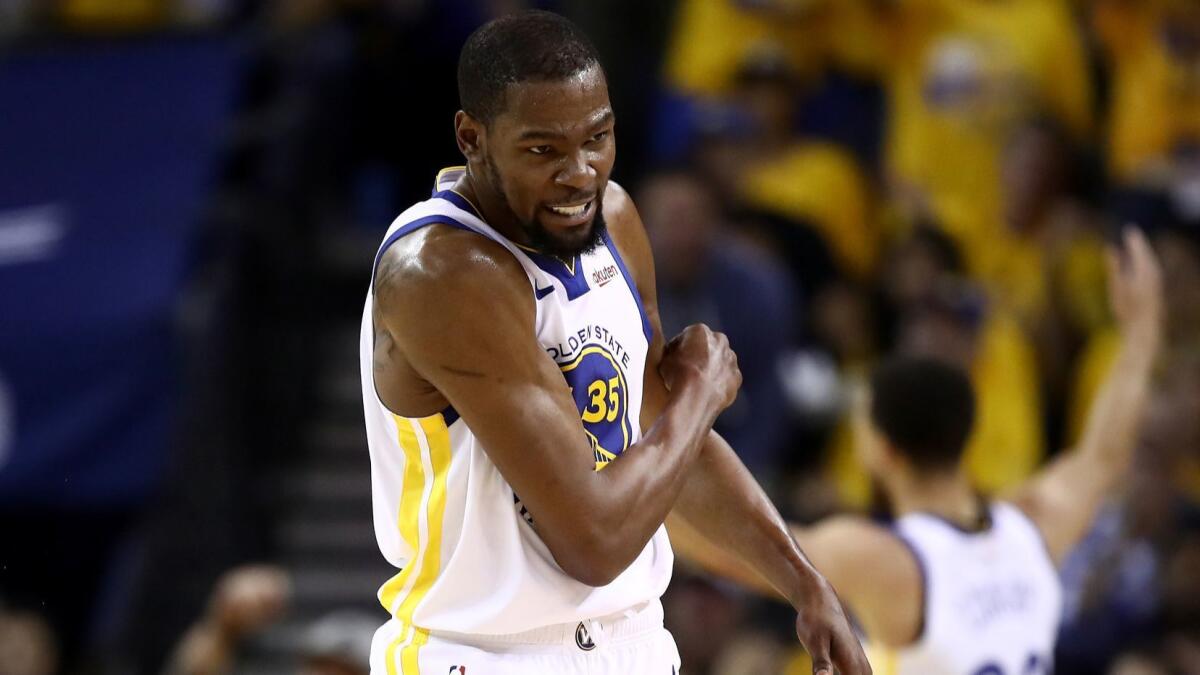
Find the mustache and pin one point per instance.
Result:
(577, 198)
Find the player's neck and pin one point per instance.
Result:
(947, 495)
(492, 207)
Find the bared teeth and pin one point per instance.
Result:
(570, 210)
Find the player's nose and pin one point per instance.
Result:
(576, 172)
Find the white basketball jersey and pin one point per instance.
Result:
(992, 599)
(471, 560)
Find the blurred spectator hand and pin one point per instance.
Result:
(249, 598)
(245, 600)
(26, 645)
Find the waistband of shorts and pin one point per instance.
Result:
(631, 624)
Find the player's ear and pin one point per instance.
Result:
(468, 132)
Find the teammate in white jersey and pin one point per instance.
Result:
(958, 585)
(530, 429)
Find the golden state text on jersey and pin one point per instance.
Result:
(595, 371)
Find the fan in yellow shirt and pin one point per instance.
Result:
(806, 181)
(961, 76)
(763, 165)
(1153, 50)
(711, 39)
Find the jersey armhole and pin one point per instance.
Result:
(923, 570)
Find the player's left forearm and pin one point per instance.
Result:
(722, 503)
(1109, 435)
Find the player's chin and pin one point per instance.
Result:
(567, 245)
(568, 235)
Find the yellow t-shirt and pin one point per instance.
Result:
(821, 184)
(960, 74)
(1031, 277)
(114, 14)
(1082, 283)
(711, 38)
(1155, 95)
(1007, 444)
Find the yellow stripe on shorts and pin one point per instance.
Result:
(389, 656)
(408, 655)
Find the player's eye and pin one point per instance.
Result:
(540, 149)
(599, 137)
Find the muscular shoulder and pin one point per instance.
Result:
(872, 550)
(858, 534)
(618, 205)
(442, 264)
(874, 571)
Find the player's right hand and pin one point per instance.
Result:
(701, 357)
(1135, 286)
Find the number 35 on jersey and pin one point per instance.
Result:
(598, 387)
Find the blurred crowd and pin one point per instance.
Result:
(826, 181)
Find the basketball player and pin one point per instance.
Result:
(959, 585)
(530, 429)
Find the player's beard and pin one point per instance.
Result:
(541, 239)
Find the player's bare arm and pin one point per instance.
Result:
(1063, 500)
(878, 578)
(720, 500)
(455, 325)
(876, 574)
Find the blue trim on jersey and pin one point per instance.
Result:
(409, 229)
(459, 201)
(449, 415)
(924, 570)
(572, 277)
(612, 248)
